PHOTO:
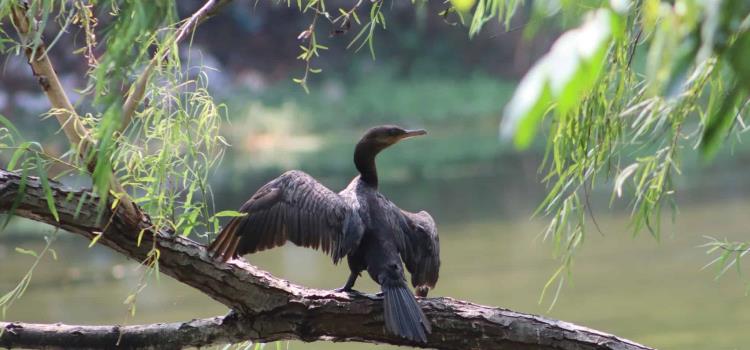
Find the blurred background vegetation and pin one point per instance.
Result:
(426, 73)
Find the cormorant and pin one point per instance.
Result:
(358, 222)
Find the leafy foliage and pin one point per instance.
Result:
(611, 110)
(165, 155)
(612, 119)
(6, 301)
(342, 20)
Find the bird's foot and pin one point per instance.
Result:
(348, 290)
(421, 292)
(232, 315)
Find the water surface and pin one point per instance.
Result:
(651, 292)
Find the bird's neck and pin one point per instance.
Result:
(364, 160)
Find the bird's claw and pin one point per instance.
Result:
(232, 315)
(347, 291)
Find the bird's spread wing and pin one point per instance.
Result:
(420, 249)
(292, 207)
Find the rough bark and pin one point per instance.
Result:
(161, 335)
(272, 308)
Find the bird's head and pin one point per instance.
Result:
(374, 141)
(387, 135)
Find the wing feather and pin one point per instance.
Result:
(420, 250)
(293, 207)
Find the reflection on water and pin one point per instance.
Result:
(654, 293)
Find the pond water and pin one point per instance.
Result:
(635, 287)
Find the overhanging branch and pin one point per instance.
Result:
(137, 91)
(274, 309)
(78, 135)
(72, 126)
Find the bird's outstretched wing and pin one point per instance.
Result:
(420, 250)
(293, 207)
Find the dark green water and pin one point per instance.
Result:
(653, 293)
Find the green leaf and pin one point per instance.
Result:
(80, 204)
(19, 196)
(623, 176)
(20, 151)
(562, 77)
(739, 57)
(5, 122)
(463, 5)
(27, 252)
(229, 213)
(686, 54)
(720, 122)
(54, 254)
(96, 239)
(46, 188)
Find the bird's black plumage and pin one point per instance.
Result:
(358, 222)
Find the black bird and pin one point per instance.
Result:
(358, 222)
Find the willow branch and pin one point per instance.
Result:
(76, 132)
(138, 90)
(44, 72)
(274, 309)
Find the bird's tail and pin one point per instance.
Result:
(224, 247)
(403, 316)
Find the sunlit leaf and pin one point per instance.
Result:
(623, 176)
(54, 253)
(96, 238)
(229, 213)
(463, 5)
(26, 252)
(561, 77)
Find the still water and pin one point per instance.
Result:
(648, 291)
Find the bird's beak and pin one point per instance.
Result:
(412, 133)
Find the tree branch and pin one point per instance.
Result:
(194, 333)
(78, 135)
(274, 309)
(45, 74)
(210, 8)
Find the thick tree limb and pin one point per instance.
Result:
(158, 336)
(274, 309)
